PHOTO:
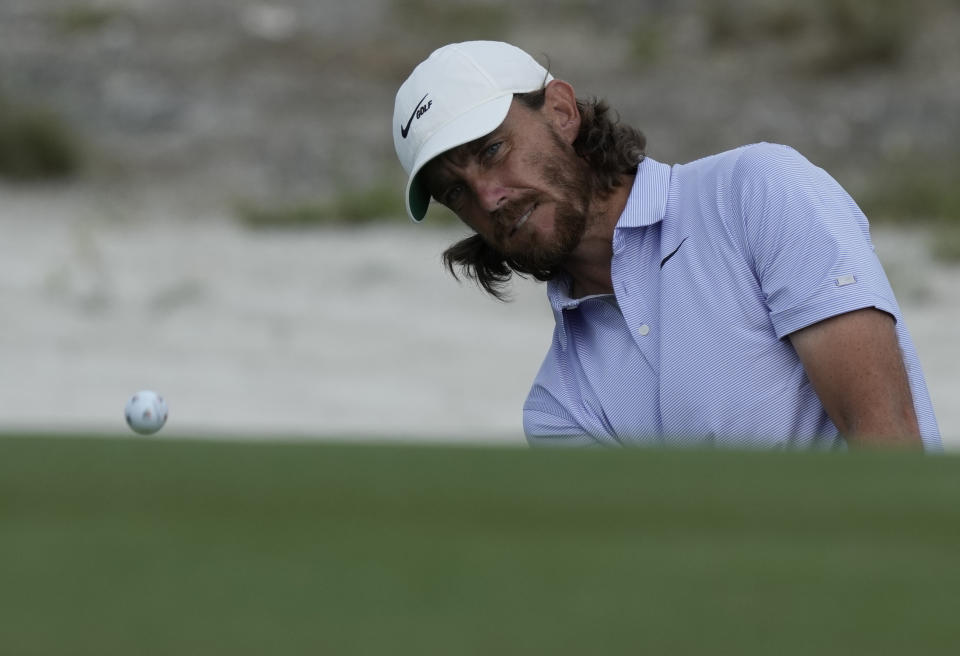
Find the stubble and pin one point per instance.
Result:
(569, 178)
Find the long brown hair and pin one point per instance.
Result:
(611, 150)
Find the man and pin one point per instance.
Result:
(735, 300)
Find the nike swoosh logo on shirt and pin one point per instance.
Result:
(404, 129)
(664, 260)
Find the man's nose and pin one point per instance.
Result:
(491, 193)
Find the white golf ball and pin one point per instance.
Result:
(146, 412)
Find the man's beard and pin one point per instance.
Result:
(570, 180)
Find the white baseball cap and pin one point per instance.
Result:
(461, 92)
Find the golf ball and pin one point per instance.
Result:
(146, 412)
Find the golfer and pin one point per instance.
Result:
(732, 301)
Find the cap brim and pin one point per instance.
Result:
(479, 121)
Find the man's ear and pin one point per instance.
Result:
(560, 108)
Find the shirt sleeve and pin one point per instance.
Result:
(807, 241)
(547, 423)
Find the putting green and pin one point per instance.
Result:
(157, 546)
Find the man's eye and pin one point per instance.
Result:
(491, 150)
(452, 195)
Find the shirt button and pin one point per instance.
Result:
(643, 330)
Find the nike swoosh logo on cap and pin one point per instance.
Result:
(405, 129)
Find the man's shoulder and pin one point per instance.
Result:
(761, 154)
(711, 173)
(708, 192)
(763, 165)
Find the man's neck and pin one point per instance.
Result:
(589, 264)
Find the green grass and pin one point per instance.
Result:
(918, 190)
(35, 144)
(919, 194)
(157, 546)
(350, 208)
(866, 33)
(455, 21)
(85, 17)
(647, 42)
(825, 37)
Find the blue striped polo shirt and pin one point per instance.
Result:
(714, 263)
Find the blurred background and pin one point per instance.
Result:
(201, 197)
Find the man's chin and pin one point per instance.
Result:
(546, 240)
(541, 255)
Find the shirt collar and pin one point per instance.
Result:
(646, 205)
(558, 292)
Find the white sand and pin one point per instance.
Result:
(331, 334)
